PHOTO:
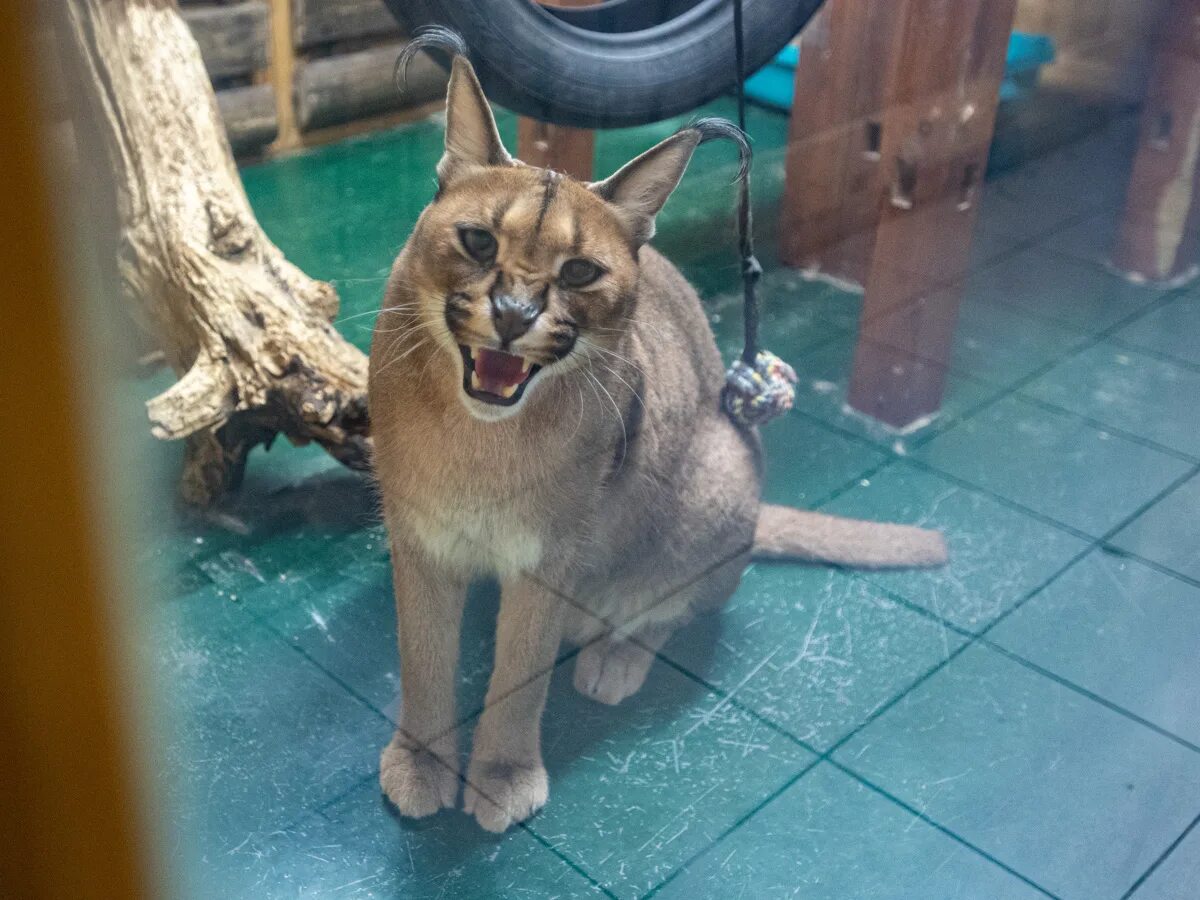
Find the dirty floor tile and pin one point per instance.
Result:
(638, 789)
(1177, 876)
(359, 848)
(349, 629)
(805, 461)
(797, 313)
(1076, 797)
(993, 343)
(997, 554)
(1132, 638)
(1166, 533)
(1089, 240)
(828, 837)
(1060, 289)
(1071, 180)
(1053, 464)
(1171, 329)
(813, 650)
(1124, 389)
(257, 734)
(824, 380)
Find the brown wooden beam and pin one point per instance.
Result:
(831, 204)
(940, 104)
(1159, 236)
(283, 65)
(567, 150)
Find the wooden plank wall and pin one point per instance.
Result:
(234, 39)
(289, 73)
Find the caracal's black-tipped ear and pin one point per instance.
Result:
(639, 188)
(472, 139)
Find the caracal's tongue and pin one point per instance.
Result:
(498, 370)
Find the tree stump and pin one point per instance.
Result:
(248, 334)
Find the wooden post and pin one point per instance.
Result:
(567, 150)
(831, 201)
(283, 66)
(1159, 235)
(939, 104)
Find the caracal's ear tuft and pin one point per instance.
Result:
(472, 140)
(639, 188)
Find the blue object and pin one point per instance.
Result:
(775, 83)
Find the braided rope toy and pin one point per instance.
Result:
(753, 395)
(759, 386)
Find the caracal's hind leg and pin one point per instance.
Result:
(610, 669)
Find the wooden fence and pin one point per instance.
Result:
(294, 72)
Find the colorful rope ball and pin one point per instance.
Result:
(754, 395)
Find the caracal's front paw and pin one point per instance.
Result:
(610, 671)
(500, 794)
(416, 780)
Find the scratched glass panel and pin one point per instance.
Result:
(979, 246)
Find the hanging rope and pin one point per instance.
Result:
(760, 385)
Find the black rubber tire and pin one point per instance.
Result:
(539, 65)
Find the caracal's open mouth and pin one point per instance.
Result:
(496, 377)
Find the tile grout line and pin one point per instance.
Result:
(851, 483)
(1133, 888)
(971, 639)
(1125, 344)
(296, 648)
(324, 805)
(579, 870)
(1099, 425)
(1036, 241)
(1002, 390)
(911, 810)
(822, 756)
(766, 801)
(981, 635)
(1090, 695)
(1116, 550)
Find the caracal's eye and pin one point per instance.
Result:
(479, 243)
(577, 273)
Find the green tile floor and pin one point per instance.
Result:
(1023, 723)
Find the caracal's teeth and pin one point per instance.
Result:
(476, 384)
(526, 364)
(508, 390)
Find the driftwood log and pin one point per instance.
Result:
(248, 334)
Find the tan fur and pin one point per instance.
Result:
(785, 533)
(612, 501)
